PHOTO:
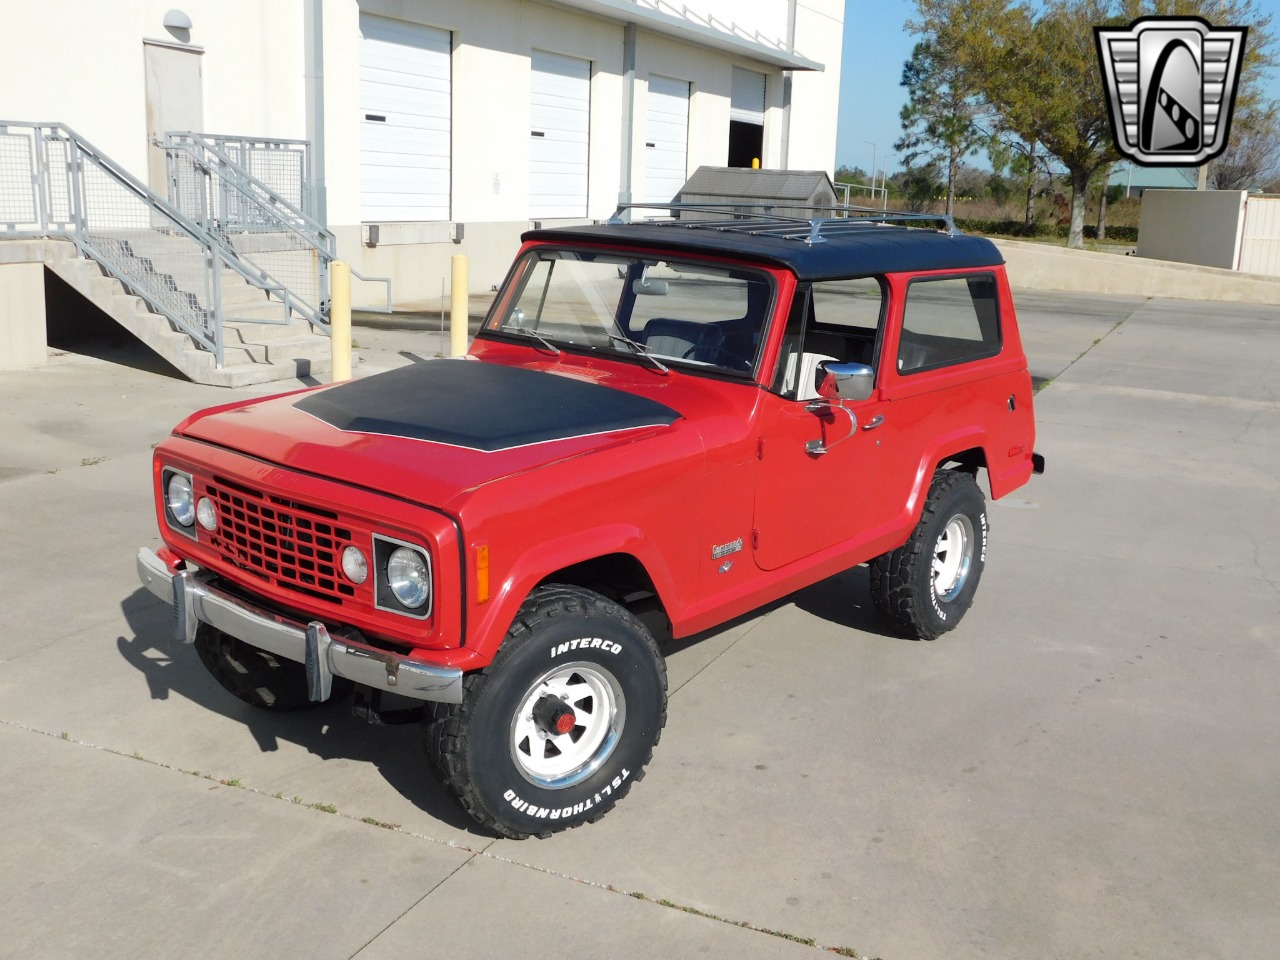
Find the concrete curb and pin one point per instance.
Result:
(1038, 266)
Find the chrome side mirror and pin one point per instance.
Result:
(845, 381)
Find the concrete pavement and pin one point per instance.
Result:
(1088, 767)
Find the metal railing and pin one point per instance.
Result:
(283, 165)
(288, 252)
(219, 223)
(54, 183)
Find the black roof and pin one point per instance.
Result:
(845, 249)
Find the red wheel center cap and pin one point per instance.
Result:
(554, 716)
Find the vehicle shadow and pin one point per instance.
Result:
(330, 731)
(843, 599)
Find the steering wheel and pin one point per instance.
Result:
(732, 361)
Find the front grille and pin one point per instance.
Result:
(287, 543)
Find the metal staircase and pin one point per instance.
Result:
(225, 278)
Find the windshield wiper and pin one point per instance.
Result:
(641, 350)
(542, 340)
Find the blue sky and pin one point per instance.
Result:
(875, 48)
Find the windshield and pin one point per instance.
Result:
(663, 311)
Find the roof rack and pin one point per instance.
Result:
(758, 219)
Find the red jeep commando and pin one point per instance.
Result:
(661, 425)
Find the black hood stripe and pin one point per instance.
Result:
(482, 406)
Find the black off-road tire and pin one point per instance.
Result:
(503, 767)
(924, 587)
(257, 677)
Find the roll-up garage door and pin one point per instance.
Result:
(405, 138)
(747, 102)
(666, 138)
(560, 136)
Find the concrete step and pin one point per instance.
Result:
(252, 352)
(241, 332)
(262, 312)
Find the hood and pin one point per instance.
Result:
(430, 431)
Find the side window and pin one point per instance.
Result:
(846, 319)
(948, 320)
(855, 305)
(835, 320)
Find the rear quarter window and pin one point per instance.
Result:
(947, 321)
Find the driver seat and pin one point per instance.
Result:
(684, 339)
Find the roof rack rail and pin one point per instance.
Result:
(759, 218)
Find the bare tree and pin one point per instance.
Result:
(939, 118)
(1252, 157)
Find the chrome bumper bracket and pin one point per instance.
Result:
(319, 676)
(195, 600)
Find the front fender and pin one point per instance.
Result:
(490, 621)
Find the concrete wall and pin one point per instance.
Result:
(1039, 266)
(820, 37)
(493, 42)
(81, 63)
(22, 331)
(255, 63)
(1192, 226)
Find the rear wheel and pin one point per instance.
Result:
(555, 731)
(926, 585)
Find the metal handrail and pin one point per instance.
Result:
(240, 206)
(126, 228)
(251, 152)
(258, 193)
(387, 280)
(757, 218)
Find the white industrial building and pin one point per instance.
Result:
(439, 127)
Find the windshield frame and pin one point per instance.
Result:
(758, 316)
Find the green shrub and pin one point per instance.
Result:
(1018, 228)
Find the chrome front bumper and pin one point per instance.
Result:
(195, 601)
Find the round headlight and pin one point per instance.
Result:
(407, 577)
(179, 498)
(207, 514)
(354, 565)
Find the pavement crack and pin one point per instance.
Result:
(671, 905)
(237, 784)
(1045, 384)
(407, 910)
(746, 633)
(1257, 562)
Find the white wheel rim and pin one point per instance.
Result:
(558, 760)
(952, 558)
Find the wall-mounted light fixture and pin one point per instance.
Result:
(177, 20)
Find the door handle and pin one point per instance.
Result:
(874, 422)
(816, 448)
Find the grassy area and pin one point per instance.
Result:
(1096, 246)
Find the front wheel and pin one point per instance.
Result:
(925, 586)
(555, 731)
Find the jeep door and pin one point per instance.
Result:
(832, 476)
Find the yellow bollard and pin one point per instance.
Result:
(459, 309)
(340, 319)
(755, 163)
